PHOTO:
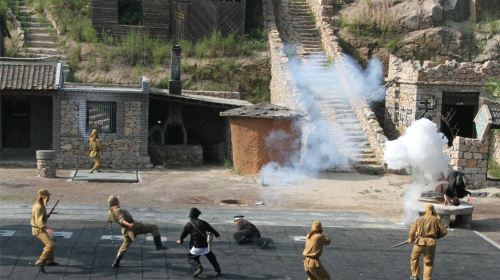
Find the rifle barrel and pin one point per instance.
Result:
(400, 244)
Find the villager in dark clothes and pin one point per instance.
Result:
(198, 244)
(248, 233)
(456, 189)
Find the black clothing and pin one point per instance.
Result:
(246, 232)
(195, 263)
(194, 213)
(198, 239)
(456, 188)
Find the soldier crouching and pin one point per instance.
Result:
(129, 228)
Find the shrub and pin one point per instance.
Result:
(75, 56)
(372, 19)
(140, 49)
(492, 88)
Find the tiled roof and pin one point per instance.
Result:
(495, 114)
(27, 74)
(262, 110)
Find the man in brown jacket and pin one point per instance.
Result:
(130, 228)
(315, 241)
(423, 234)
(40, 230)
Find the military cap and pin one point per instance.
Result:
(113, 200)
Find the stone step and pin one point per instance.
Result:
(42, 51)
(40, 37)
(373, 169)
(36, 30)
(40, 44)
(31, 24)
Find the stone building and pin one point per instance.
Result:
(40, 111)
(170, 19)
(452, 96)
(260, 134)
(449, 92)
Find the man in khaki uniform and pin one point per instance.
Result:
(40, 230)
(315, 241)
(423, 234)
(130, 228)
(95, 150)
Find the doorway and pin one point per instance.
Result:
(16, 122)
(458, 112)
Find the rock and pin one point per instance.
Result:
(457, 10)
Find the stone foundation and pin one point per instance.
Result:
(176, 155)
(46, 165)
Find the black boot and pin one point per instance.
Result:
(158, 244)
(197, 272)
(42, 267)
(118, 258)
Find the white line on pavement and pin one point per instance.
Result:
(488, 239)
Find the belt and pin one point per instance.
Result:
(314, 258)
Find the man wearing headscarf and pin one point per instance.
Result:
(313, 249)
(95, 150)
(248, 233)
(198, 244)
(40, 230)
(130, 228)
(423, 235)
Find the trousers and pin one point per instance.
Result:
(428, 252)
(195, 263)
(47, 255)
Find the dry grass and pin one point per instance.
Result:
(371, 18)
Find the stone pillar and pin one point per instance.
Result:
(45, 163)
(175, 85)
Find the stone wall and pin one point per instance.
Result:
(282, 84)
(470, 156)
(323, 12)
(125, 149)
(176, 155)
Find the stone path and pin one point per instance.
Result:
(354, 254)
(297, 27)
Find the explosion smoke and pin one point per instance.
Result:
(421, 149)
(323, 139)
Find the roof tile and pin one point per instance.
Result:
(25, 74)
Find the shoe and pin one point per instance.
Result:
(118, 258)
(42, 266)
(264, 244)
(159, 246)
(197, 272)
(414, 278)
(51, 264)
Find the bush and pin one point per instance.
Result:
(492, 88)
(140, 49)
(372, 19)
(75, 56)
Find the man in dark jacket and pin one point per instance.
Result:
(456, 189)
(248, 233)
(198, 244)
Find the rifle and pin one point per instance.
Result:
(52, 210)
(400, 244)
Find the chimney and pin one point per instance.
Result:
(145, 84)
(175, 85)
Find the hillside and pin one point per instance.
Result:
(218, 62)
(434, 30)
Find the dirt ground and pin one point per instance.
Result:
(205, 187)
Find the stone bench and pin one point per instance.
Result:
(462, 213)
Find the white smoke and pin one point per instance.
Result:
(421, 150)
(323, 139)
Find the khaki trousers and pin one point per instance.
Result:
(47, 255)
(428, 252)
(315, 270)
(139, 228)
(97, 164)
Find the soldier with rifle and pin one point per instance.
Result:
(423, 235)
(40, 230)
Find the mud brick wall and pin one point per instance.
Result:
(176, 155)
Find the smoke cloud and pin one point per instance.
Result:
(421, 150)
(324, 143)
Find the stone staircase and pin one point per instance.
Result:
(297, 25)
(40, 40)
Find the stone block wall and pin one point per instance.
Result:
(125, 149)
(470, 156)
(417, 82)
(177, 155)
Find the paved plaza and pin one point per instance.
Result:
(360, 248)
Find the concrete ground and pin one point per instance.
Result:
(361, 212)
(356, 253)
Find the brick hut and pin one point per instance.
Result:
(260, 134)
